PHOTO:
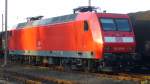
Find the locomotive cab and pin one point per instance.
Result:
(118, 39)
(112, 37)
(118, 35)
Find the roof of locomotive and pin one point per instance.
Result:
(112, 15)
(66, 18)
(47, 21)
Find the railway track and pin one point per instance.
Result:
(25, 78)
(18, 78)
(35, 79)
(139, 77)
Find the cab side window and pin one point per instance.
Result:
(86, 26)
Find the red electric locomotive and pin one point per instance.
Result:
(85, 39)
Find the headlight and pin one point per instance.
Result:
(131, 48)
(108, 48)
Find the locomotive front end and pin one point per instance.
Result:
(118, 37)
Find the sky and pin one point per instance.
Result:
(19, 10)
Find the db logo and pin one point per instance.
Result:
(119, 39)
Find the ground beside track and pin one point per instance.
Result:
(4, 80)
(58, 77)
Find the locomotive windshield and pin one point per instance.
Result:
(122, 25)
(115, 24)
(108, 24)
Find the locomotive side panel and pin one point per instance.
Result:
(57, 37)
(64, 40)
(96, 33)
(23, 39)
